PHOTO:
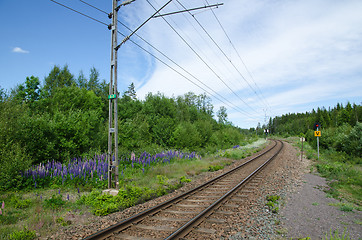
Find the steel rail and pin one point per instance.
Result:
(102, 234)
(187, 227)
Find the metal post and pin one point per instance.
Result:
(318, 143)
(301, 155)
(114, 33)
(113, 111)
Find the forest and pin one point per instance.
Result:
(67, 117)
(340, 127)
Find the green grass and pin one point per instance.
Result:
(45, 210)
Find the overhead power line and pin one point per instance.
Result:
(207, 65)
(237, 52)
(85, 15)
(227, 102)
(218, 97)
(221, 50)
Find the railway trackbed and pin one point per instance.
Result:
(199, 212)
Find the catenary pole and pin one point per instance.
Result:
(113, 110)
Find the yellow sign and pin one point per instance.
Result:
(317, 133)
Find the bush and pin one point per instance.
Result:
(12, 162)
(24, 234)
(55, 202)
(353, 141)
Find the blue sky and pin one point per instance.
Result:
(300, 54)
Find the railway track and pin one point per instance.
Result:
(194, 214)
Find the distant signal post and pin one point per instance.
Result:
(317, 134)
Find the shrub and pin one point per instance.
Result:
(12, 161)
(215, 168)
(24, 234)
(19, 203)
(55, 202)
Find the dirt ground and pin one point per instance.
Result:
(308, 213)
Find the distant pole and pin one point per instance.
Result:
(318, 143)
(301, 155)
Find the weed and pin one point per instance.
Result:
(359, 222)
(8, 219)
(63, 222)
(215, 168)
(315, 204)
(55, 202)
(273, 203)
(346, 208)
(183, 179)
(24, 234)
(335, 235)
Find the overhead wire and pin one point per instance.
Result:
(218, 46)
(208, 66)
(201, 37)
(237, 52)
(85, 15)
(235, 108)
(238, 109)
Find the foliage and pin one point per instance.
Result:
(272, 203)
(19, 203)
(215, 168)
(24, 234)
(55, 202)
(12, 161)
(104, 204)
(183, 179)
(66, 117)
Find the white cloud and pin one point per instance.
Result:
(19, 50)
(299, 52)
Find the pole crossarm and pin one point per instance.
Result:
(161, 15)
(189, 10)
(126, 38)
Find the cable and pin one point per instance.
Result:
(177, 71)
(251, 76)
(203, 60)
(154, 55)
(93, 7)
(217, 45)
(172, 62)
(79, 12)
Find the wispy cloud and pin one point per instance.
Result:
(299, 53)
(19, 50)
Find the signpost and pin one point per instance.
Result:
(317, 134)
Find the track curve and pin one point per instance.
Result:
(177, 217)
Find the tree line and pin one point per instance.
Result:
(340, 126)
(67, 116)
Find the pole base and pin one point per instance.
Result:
(112, 192)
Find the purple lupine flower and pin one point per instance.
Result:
(59, 191)
(41, 197)
(3, 205)
(68, 197)
(1, 212)
(78, 190)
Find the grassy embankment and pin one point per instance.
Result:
(42, 211)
